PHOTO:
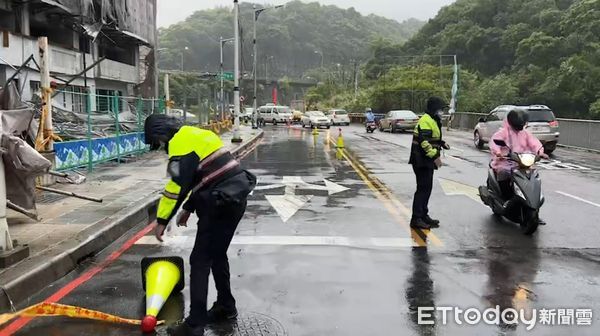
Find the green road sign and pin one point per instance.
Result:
(228, 76)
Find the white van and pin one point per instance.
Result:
(275, 114)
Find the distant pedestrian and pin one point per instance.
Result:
(208, 180)
(425, 158)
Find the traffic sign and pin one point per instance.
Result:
(227, 76)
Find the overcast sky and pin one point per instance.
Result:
(172, 11)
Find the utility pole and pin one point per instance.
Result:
(167, 94)
(355, 79)
(222, 96)
(255, 61)
(45, 140)
(254, 103)
(236, 74)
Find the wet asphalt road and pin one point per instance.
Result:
(326, 250)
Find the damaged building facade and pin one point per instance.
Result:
(120, 33)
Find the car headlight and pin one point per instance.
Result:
(518, 191)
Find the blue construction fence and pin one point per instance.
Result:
(99, 128)
(75, 154)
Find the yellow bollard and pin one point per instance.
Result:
(161, 276)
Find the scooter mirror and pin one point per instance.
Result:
(500, 143)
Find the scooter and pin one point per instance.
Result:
(523, 206)
(371, 126)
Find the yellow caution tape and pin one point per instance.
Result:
(56, 309)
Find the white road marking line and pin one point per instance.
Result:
(360, 242)
(578, 198)
(457, 158)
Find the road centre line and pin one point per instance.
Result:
(392, 204)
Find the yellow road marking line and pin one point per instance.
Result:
(392, 204)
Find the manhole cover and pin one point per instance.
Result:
(250, 324)
(48, 198)
(111, 177)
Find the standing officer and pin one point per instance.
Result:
(425, 158)
(199, 166)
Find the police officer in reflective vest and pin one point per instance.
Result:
(201, 168)
(425, 158)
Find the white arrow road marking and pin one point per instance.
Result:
(334, 188)
(287, 205)
(269, 187)
(359, 242)
(579, 198)
(452, 188)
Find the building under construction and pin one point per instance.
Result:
(118, 35)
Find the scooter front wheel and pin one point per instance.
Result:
(530, 221)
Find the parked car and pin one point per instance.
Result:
(403, 120)
(542, 124)
(275, 114)
(338, 117)
(315, 119)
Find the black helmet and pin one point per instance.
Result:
(159, 129)
(435, 104)
(517, 119)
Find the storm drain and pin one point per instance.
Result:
(49, 198)
(111, 177)
(251, 324)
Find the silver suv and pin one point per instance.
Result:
(542, 123)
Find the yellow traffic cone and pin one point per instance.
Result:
(340, 140)
(315, 131)
(160, 276)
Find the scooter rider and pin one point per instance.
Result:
(200, 166)
(518, 140)
(369, 115)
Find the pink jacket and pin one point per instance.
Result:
(520, 142)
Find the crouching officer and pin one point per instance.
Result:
(425, 158)
(216, 188)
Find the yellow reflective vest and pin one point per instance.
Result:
(188, 147)
(427, 142)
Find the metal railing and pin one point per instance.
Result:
(99, 128)
(579, 133)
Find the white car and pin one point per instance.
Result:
(246, 114)
(338, 117)
(275, 114)
(315, 119)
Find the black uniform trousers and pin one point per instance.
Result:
(424, 175)
(216, 227)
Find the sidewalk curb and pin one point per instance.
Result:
(39, 271)
(36, 273)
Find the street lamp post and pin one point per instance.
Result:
(254, 70)
(184, 49)
(322, 57)
(222, 98)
